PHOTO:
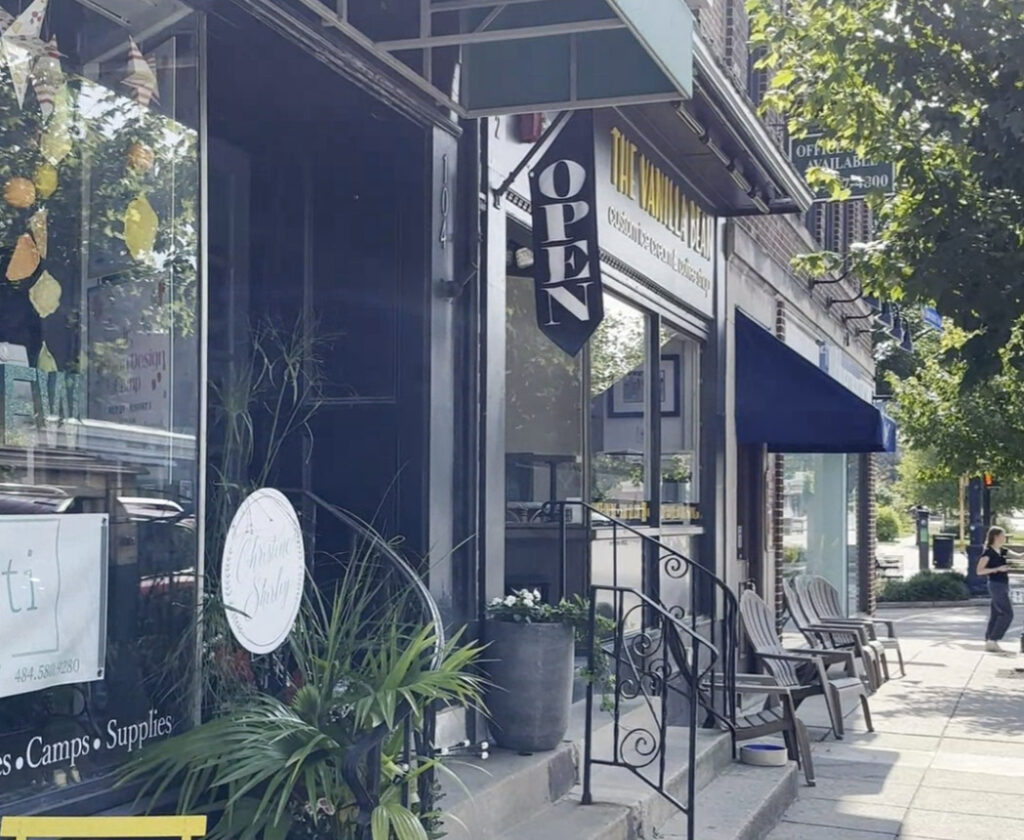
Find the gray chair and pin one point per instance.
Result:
(834, 635)
(826, 603)
(804, 671)
(776, 716)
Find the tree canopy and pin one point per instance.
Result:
(937, 88)
(948, 431)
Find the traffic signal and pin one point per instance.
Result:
(989, 481)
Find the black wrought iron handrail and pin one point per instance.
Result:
(710, 596)
(652, 653)
(362, 765)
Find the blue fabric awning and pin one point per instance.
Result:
(792, 405)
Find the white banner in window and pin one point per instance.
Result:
(53, 594)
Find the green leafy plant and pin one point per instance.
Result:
(792, 554)
(888, 524)
(525, 606)
(927, 586)
(273, 767)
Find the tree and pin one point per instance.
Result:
(949, 431)
(938, 89)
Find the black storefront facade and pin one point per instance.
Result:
(241, 246)
(195, 201)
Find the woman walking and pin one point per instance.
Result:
(992, 564)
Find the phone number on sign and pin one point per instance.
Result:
(46, 671)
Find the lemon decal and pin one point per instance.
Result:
(140, 223)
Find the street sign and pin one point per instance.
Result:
(858, 175)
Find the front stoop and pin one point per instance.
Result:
(743, 803)
(504, 790)
(538, 797)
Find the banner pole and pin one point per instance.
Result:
(556, 123)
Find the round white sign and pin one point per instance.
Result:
(263, 571)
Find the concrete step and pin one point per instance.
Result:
(624, 807)
(504, 790)
(743, 803)
(494, 797)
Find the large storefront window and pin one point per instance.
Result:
(619, 402)
(544, 404)
(852, 537)
(679, 385)
(98, 353)
(815, 518)
(545, 430)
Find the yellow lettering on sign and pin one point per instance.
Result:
(658, 195)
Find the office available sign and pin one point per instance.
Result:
(53, 609)
(263, 571)
(858, 175)
(566, 269)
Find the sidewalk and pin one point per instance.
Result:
(946, 759)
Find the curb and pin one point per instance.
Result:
(944, 605)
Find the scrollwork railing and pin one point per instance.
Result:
(712, 609)
(664, 659)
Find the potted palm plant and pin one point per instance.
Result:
(274, 767)
(530, 667)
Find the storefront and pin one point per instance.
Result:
(100, 330)
(203, 291)
(804, 418)
(239, 249)
(619, 426)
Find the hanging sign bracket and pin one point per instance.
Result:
(499, 192)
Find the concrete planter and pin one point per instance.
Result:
(531, 670)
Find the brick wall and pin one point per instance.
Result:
(781, 238)
(867, 574)
(711, 24)
(778, 489)
(737, 34)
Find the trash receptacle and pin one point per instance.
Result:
(942, 552)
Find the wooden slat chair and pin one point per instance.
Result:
(804, 671)
(834, 635)
(777, 716)
(826, 602)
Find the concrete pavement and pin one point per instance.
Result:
(946, 759)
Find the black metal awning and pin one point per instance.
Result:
(728, 154)
(484, 57)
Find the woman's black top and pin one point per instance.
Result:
(996, 558)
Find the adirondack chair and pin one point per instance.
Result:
(834, 635)
(822, 602)
(825, 600)
(804, 671)
(776, 716)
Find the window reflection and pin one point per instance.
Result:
(680, 426)
(544, 411)
(815, 517)
(98, 383)
(618, 412)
